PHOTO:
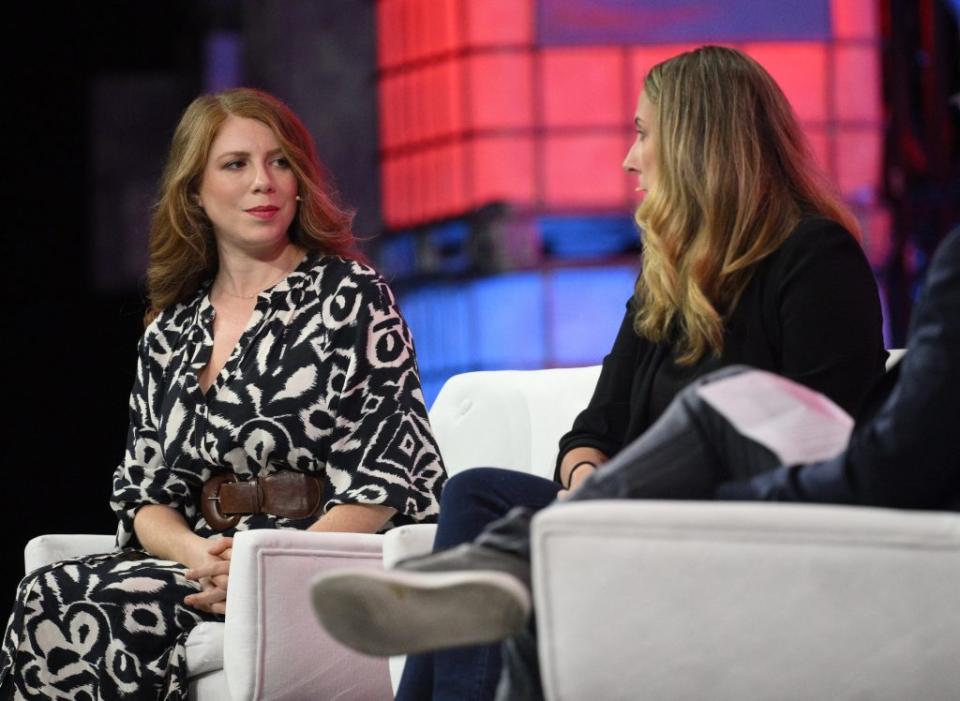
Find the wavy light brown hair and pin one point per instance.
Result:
(735, 175)
(183, 252)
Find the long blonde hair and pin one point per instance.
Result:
(183, 253)
(735, 175)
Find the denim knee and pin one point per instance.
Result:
(465, 486)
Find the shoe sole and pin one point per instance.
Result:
(395, 613)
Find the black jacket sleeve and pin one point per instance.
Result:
(603, 424)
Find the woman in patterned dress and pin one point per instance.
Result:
(270, 349)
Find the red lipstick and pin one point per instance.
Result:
(266, 211)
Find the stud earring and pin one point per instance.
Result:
(299, 199)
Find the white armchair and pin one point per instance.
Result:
(671, 600)
(693, 600)
(271, 646)
(511, 419)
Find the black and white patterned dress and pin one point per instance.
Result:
(323, 380)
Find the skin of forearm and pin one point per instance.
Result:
(577, 455)
(164, 533)
(353, 518)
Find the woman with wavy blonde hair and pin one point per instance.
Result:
(734, 178)
(749, 258)
(274, 364)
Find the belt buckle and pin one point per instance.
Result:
(210, 503)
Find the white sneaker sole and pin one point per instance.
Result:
(394, 612)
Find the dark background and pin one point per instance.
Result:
(95, 91)
(71, 346)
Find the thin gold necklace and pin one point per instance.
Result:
(265, 287)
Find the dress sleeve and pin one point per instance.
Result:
(829, 320)
(142, 476)
(382, 450)
(603, 424)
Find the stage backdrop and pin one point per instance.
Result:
(503, 124)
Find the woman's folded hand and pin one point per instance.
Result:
(213, 576)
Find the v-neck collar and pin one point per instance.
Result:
(284, 296)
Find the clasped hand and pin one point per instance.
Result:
(212, 575)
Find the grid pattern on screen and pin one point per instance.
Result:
(476, 107)
(529, 103)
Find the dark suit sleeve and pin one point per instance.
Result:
(603, 424)
(906, 453)
(829, 324)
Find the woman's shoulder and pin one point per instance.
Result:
(331, 275)
(818, 254)
(816, 242)
(174, 321)
(815, 234)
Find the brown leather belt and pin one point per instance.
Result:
(224, 498)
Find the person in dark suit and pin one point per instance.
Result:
(904, 451)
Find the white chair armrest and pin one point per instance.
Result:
(47, 549)
(407, 541)
(274, 648)
(686, 600)
(398, 544)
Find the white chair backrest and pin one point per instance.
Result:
(514, 418)
(509, 418)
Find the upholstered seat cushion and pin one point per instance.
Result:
(205, 648)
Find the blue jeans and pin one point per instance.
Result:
(471, 501)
